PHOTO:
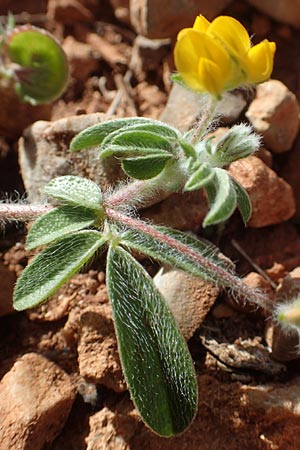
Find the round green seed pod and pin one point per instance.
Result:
(39, 64)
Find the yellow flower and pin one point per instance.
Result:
(217, 56)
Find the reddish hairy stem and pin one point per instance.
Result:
(22, 213)
(222, 277)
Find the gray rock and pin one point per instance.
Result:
(185, 107)
(44, 154)
(190, 298)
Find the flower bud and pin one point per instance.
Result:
(239, 142)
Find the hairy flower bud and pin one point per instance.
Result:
(239, 142)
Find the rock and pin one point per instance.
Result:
(44, 154)
(189, 298)
(285, 342)
(147, 55)
(8, 280)
(149, 20)
(113, 430)
(70, 11)
(181, 211)
(286, 11)
(98, 356)
(267, 246)
(256, 282)
(16, 115)
(227, 412)
(121, 10)
(271, 197)
(290, 170)
(184, 107)
(274, 113)
(81, 57)
(36, 397)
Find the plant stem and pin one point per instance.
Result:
(218, 274)
(14, 212)
(205, 121)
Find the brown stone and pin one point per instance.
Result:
(8, 280)
(98, 356)
(285, 341)
(290, 170)
(36, 397)
(271, 197)
(274, 113)
(149, 20)
(226, 418)
(286, 11)
(81, 57)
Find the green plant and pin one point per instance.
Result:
(155, 358)
(32, 62)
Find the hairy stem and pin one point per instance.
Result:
(22, 213)
(205, 121)
(222, 277)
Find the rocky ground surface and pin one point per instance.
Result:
(62, 386)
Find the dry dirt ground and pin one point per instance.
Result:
(243, 406)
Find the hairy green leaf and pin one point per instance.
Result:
(51, 268)
(145, 167)
(164, 253)
(243, 201)
(188, 149)
(41, 67)
(156, 362)
(57, 223)
(134, 143)
(94, 135)
(74, 190)
(222, 197)
(199, 178)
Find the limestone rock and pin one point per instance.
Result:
(185, 107)
(189, 298)
(285, 11)
(44, 154)
(271, 197)
(274, 113)
(36, 397)
(149, 20)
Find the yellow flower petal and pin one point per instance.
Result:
(186, 52)
(183, 32)
(211, 77)
(201, 24)
(231, 34)
(260, 62)
(190, 50)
